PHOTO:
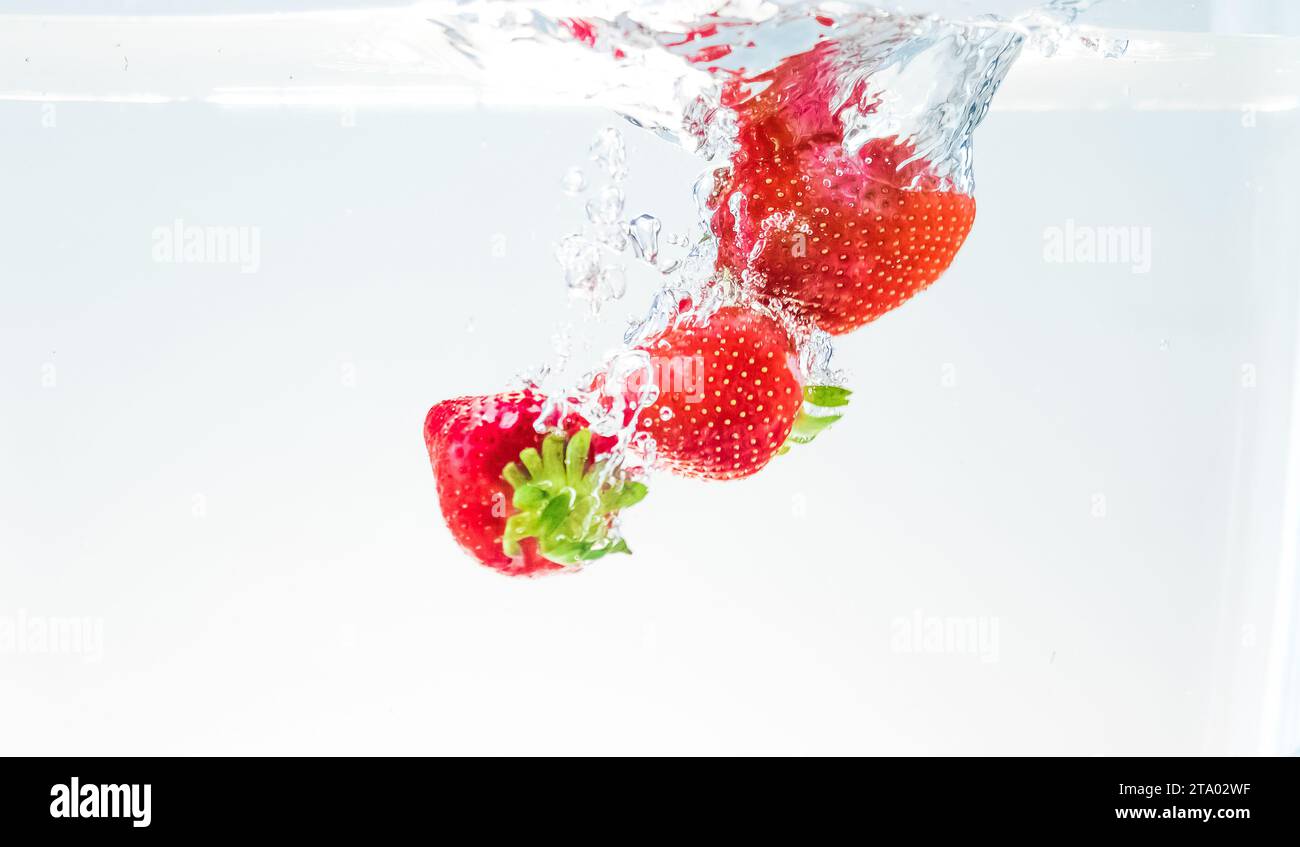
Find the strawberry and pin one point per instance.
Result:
(836, 237)
(730, 395)
(793, 103)
(519, 501)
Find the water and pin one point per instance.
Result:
(1091, 457)
(878, 81)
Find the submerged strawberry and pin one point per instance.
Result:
(834, 236)
(730, 396)
(518, 501)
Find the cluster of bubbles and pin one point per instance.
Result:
(589, 259)
(594, 271)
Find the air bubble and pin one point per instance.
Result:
(580, 260)
(644, 230)
(574, 181)
(607, 206)
(613, 283)
(610, 152)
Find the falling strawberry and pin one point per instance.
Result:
(519, 501)
(834, 236)
(730, 396)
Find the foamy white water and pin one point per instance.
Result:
(396, 58)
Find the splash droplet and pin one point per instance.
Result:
(663, 311)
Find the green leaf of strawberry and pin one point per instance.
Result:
(565, 505)
(827, 396)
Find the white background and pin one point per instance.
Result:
(228, 468)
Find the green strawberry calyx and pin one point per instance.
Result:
(564, 504)
(820, 409)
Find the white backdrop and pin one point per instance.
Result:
(223, 471)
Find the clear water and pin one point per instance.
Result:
(1091, 458)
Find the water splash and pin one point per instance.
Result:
(679, 67)
(684, 70)
(589, 259)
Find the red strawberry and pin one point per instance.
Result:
(518, 501)
(835, 237)
(730, 396)
(793, 103)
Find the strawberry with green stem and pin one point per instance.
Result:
(522, 502)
